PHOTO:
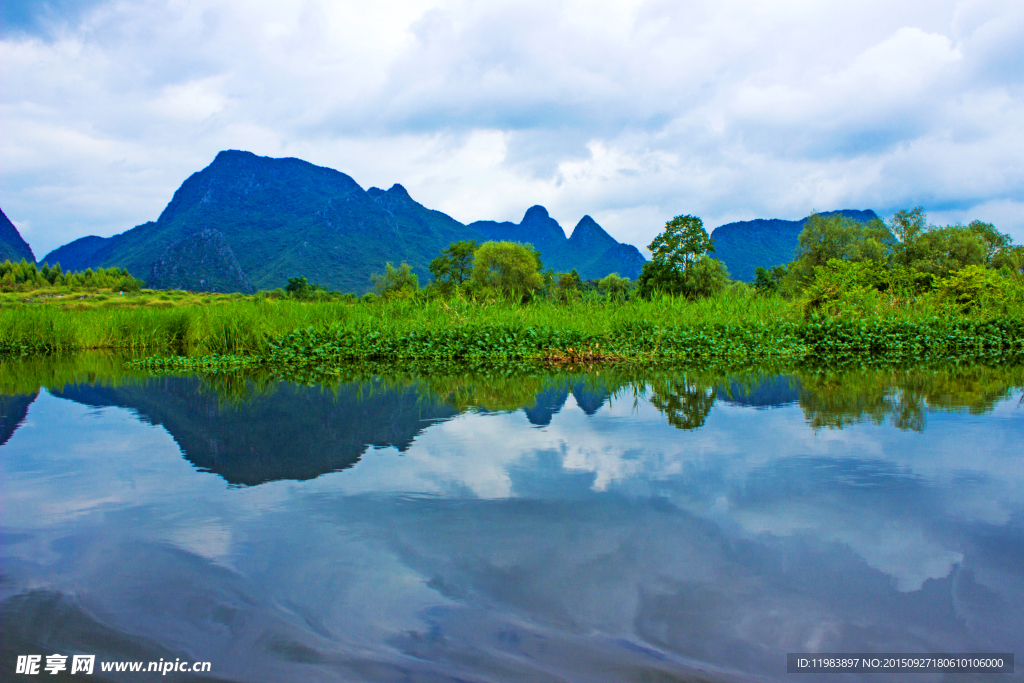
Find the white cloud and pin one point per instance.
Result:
(629, 111)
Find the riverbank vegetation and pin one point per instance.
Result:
(854, 291)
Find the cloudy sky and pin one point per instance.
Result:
(630, 111)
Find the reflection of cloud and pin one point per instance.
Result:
(100, 464)
(613, 537)
(896, 547)
(211, 540)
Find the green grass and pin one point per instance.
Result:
(232, 324)
(202, 331)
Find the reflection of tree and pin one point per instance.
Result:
(686, 404)
(905, 396)
(909, 411)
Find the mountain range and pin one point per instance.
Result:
(247, 222)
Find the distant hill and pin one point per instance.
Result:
(12, 247)
(590, 250)
(75, 255)
(281, 218)
(747, 245)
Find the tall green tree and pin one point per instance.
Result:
(508, 268)
(942, 251)
(680, 263)
(993, 240)
(835, 236)
(907, 225)
(681, 243)
(453, 267)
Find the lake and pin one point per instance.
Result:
(586, 525)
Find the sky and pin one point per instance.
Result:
(631, 111)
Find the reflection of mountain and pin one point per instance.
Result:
(13, 410)
(768, 392)
(553, 398)
(293, 433)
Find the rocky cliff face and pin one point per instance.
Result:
(202, 262)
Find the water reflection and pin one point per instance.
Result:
(627, 525)
(290, 432)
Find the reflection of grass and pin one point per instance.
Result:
(26, 375)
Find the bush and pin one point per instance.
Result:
(972, 286)
(615, 287)
(567, 286)
(768, 281)
(843, 287)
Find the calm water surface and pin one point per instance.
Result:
(563, 528)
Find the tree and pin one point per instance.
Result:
(834, 236)
(567, 285)
(398, 282)
(510, 268)
(946, 250)
(1009, 259)
(680, 263)
(767, 280)
(993, 240)
(681, 243)
(907, 226)
(704, 277)
(297, 286)
(454, 266)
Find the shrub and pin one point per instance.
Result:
(843, 287)
(972, 286)
(767, 281)
(614, 287)
(567, 286)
